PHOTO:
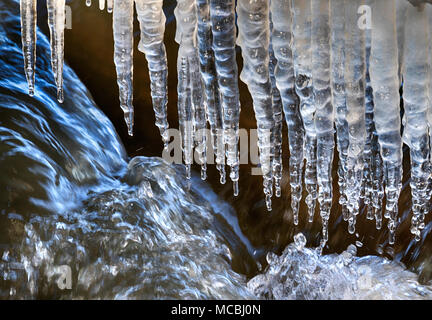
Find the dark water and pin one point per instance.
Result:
(134, 228)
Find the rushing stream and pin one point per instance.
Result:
(74, 207)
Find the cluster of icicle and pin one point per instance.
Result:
(315, 63)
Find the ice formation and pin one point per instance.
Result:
(317, 63)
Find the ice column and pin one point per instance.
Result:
(385, 84)
(254, 38)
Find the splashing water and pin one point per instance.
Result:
(303, 273)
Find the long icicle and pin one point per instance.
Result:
(56, 23)
(28, 36)
(303, 83)
(222, 14)
(284, 73)
(415, 72)
(200, 124)
(385, 84)
(355, 77)
(152, 24)
(209, 76)
(337, 11)
(254, 39)
(324, 116)
(276, 135)
(123, 56)
(186, 17)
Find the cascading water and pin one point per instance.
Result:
(125, 234)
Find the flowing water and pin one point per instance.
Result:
(74, 206)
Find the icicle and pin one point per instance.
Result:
(355, 96)
(101, 4)
(88, 3)
(186, 18)
(123, 57)
(222, 14)
(367, 184)
(110, 5)
(28, 36)
(385, 84)
(276, 137)
(416, 103)
(254, 36)
(284, 74)
(337, 9)
(209, 76)
(324, 116)
(200, 124)
(401, 6)
(429, 14)
(152, 24)
(302, 68)
(56, 23)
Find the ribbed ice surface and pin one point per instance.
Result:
(385, 83)
(209, 78)
(28, 35)
(337, 25)
(281, 38)
(254, 39)
(355, 77)
(152, 24)
(415, 73)
(324, 115)
(56, 22)
(123, 56)
(302, 56)
(222, 15)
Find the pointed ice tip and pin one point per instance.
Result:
(268, 203)
(130, 130)
(203, 174)
(60, 95)
(236, 188)
(188, 171)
